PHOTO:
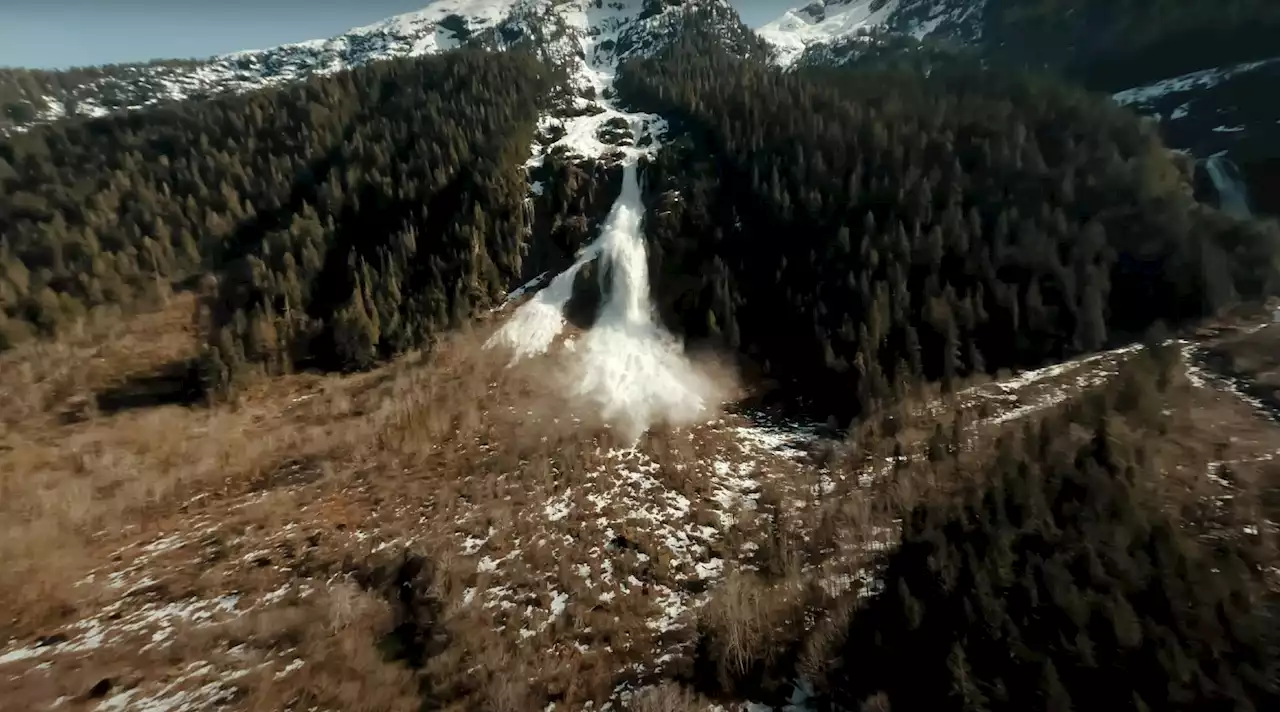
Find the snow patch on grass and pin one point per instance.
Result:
(151, 624)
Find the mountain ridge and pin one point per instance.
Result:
(557, 30)
(1200, 74)
(821, 33)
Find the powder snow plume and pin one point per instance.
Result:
(539, 321)
(626, 366)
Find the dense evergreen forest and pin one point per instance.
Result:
(855, 231)
(1103, 45)
(350, 216)
(852, 232)
(1115, 44)
(1056, 581)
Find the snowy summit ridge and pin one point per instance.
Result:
(824, 24)
(561, 31)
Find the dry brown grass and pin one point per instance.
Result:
(667, 697)
(78, 488)
(1251, 356)
(308, 495)
(1257, 353)
(750, 624)
(75, 485)
(294, 484)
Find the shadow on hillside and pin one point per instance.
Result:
(176, 383)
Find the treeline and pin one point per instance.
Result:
(855, 232)
(1056, 581)
(350, 216)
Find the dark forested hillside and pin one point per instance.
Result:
(1057, 582)
(413, 219)
(1108, 44)
(364, 210)
(1115, 45)
(855, 231)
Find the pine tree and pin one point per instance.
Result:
(964, 688)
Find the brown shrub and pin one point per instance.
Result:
(750, 630)
(666, 697)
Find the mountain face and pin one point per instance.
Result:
(1198, 68)
(1199, 71)
(574, 36)
(592, 111)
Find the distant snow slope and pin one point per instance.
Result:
(1231, 110)
(823, 22)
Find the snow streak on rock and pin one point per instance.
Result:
(1203, 79)
(558, 30)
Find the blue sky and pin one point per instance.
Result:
(62, 33)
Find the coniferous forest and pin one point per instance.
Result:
(853, 231)
(857, 231)
(1057, 581)
(346, 218)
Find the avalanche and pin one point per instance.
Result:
(627, 365)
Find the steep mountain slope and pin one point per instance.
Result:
(1109, 44)
(1220, 109)
(413, 536)
(935, 227)
(1198, 68)
(824, 23)
(289, 202)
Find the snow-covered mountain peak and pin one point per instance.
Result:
(429, 18)
(442, 25)
(823, 22)
(566, 32)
